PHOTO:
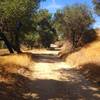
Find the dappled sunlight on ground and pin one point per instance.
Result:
(47, 64)
(47, 70)
(58, 81)
(45, 77)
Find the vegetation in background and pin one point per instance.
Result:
(44, 33)
(97, 6)
(22, 22)
(16, 19)
(88, 59)
(74, 23)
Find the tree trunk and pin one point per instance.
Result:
(9, 46)
(17, 43)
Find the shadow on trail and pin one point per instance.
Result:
(45, 58)
(20, 87)
(24, 88)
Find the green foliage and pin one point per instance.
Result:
(16, 18)
(43, 32)
(97, 6)
(32, 40)
(22, 22)
(44, 27)
(21, 19)
(74, 21)
(14, 11)
(58, 24)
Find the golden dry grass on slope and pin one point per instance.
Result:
(17, 59)
(88, 59)
(90, 53)
(17, 63)
(15, 76)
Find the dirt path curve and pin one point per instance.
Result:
(53, 79)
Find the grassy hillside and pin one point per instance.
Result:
(88, 59)
(15, 75)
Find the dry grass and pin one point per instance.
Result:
(88, 59)
(18, 64)
(88, 54)
(15, 75)
(98, 32)
(17, 59)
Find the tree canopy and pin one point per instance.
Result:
(13, 12)
(21, 22)
(44, 33)
(16, 18)
(97, 6)
(74, 21)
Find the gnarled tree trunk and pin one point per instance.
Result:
(9, 46)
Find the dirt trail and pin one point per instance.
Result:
(53, 79)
